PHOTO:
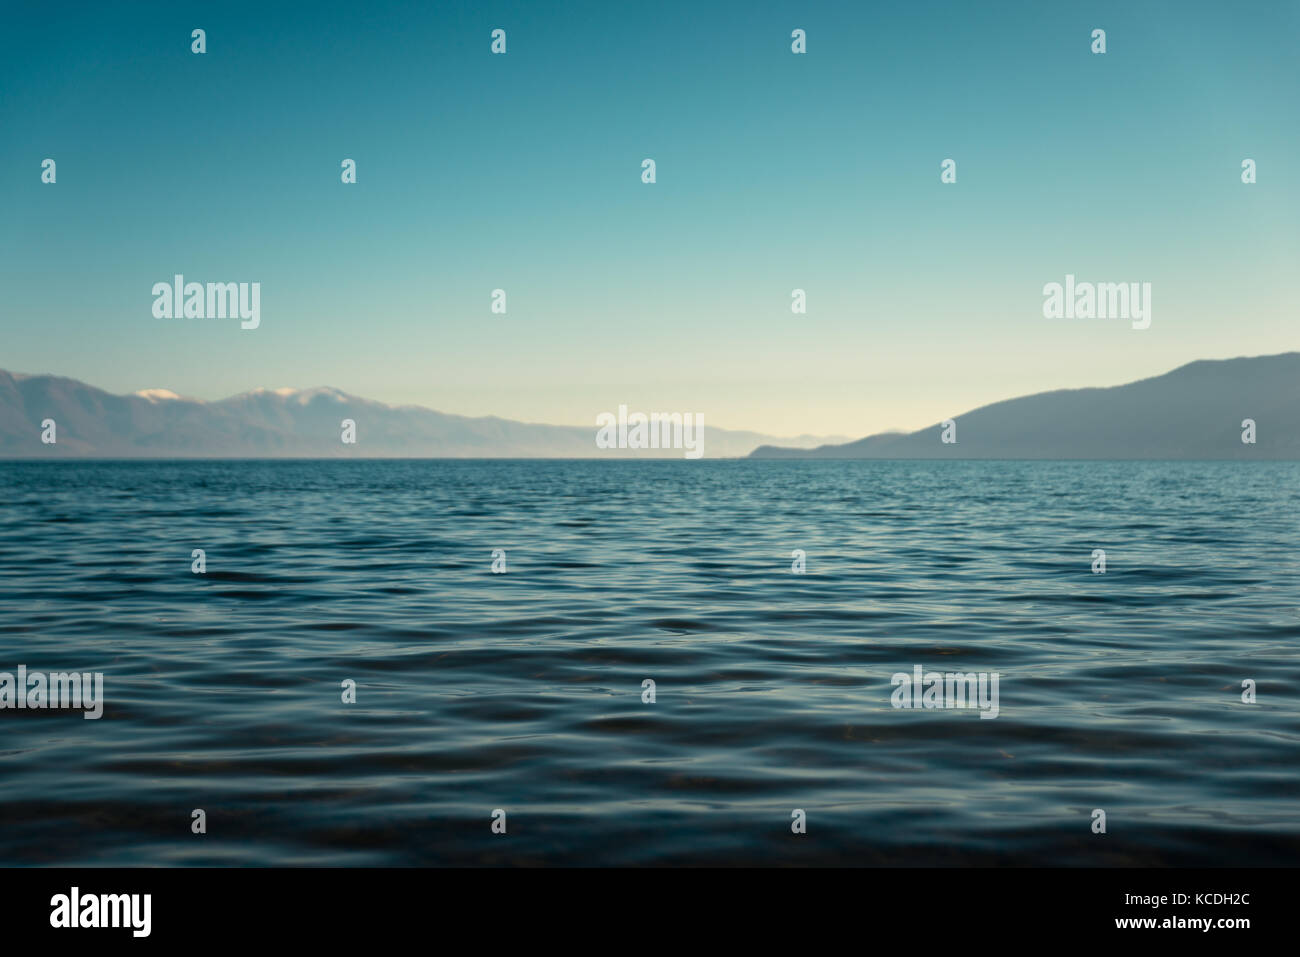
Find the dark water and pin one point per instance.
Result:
(522, 691)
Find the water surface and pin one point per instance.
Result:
(523, 690)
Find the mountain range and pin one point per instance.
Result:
(1196, 411)
(292, 423)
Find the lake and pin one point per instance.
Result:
(523, 690)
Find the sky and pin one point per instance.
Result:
(522, 171)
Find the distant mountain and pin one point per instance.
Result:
(1193, 412)
(157, 423)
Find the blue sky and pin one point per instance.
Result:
(775, 171)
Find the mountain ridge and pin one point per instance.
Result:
(290, 423)
(1194, 411)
